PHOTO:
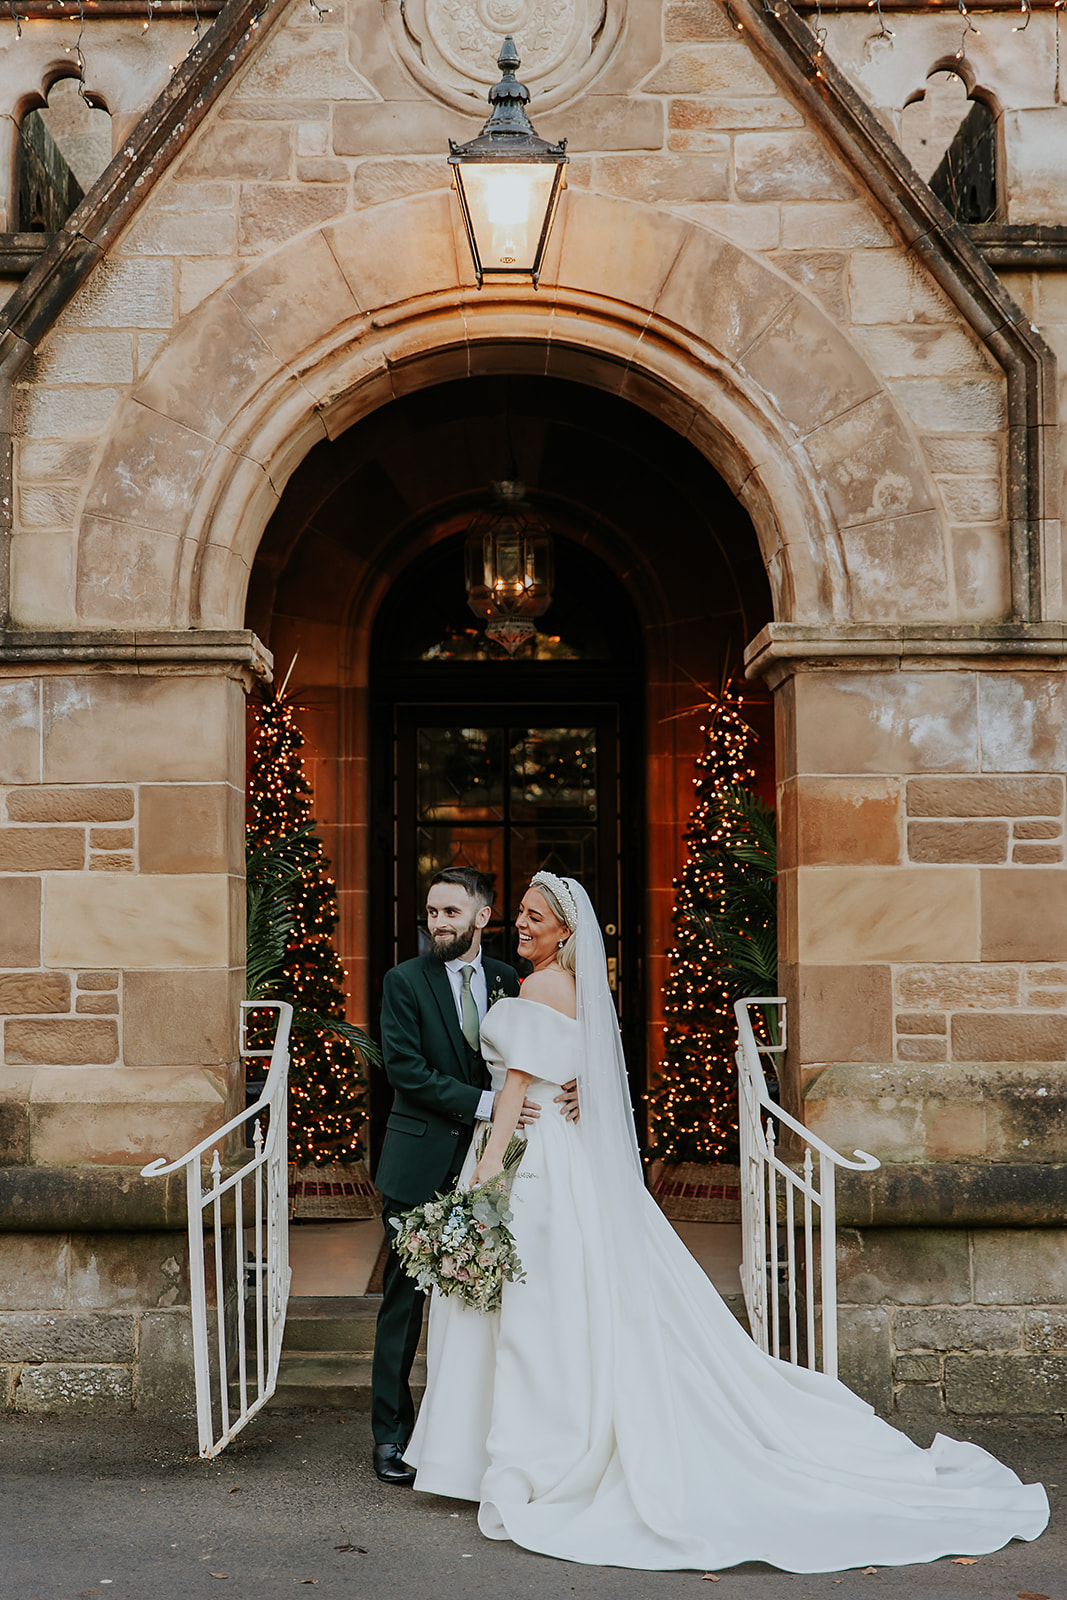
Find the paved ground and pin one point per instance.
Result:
(126, 1509)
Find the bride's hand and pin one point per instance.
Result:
(484, 1171)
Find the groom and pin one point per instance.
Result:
(431, 1011)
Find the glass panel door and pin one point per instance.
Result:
(509, 798)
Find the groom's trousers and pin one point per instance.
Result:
(396, 1338)
(396, 1333)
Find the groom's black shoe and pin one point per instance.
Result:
(390, 1465)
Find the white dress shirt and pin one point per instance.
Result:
(480, 991)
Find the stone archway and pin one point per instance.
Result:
(650, 306)
(648, 514)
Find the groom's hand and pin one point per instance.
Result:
(529, 1113)
(568, 1101)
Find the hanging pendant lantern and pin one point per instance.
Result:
(509, 182)
(509, 567)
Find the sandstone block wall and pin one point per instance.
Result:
(300, 262)
(924, 900)
(923, 890)
(122, 922)
(94, 1322)
(121, 973)
(938, 1323)
(121, 943)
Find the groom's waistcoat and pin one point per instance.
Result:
(437, 1079)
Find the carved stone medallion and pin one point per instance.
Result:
(451, 46)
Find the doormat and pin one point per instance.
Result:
(692, 1192)
(332, 1194)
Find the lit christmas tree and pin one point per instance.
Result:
(292, 912)
(725, 945)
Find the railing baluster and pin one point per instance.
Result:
(772, 1238)
(242, 1290)
(791, 1269)
(828, 1266)
(809, 1260)
(257, 1141)
(220, 1293)
(281, 1242)
(194, 1199)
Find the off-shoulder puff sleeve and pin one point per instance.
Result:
(525, 1036)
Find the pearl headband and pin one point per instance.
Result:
(562, 894)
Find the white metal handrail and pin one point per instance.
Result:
(769, 1240)
(267, 1171)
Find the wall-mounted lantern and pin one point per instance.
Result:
(509, 182)
(509, 567)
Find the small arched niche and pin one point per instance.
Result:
(63, 145)
(950, 137)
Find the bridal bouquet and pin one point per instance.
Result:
(460, 1243)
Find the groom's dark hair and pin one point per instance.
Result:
(477, 884)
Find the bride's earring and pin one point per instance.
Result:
(562, 942)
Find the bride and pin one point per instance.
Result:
(613, 1411)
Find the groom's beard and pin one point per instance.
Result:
(449, 946)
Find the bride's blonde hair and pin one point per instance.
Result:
(567, 954)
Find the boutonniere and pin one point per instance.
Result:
(498, 993)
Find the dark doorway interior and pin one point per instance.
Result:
(417, 736)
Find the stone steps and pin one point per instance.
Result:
(331, 1382)
(328, 1347)
(327, 1351)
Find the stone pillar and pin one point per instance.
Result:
(121, 968)
(923, 898)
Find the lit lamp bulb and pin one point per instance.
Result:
(508, 209)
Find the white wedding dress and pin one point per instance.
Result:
(630, 1421)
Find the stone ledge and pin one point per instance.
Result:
(20, 252)
(958, 1113)
(996, 646)
(1020, 245)
(90, 1199)
(164, 647)
(954, 1195)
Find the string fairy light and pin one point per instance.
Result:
(327, 1081)
(693, 1105)
(79, 55)
(884, 32)
(969, 27)
(820, 40)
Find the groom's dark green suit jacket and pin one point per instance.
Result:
(436, 1077)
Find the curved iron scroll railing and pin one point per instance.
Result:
(771, 1272)
(267, 1283)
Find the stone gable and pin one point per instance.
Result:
(325, 123)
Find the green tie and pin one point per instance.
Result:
(468, 1009)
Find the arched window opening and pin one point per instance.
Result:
(951, 141)
(62, 148)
